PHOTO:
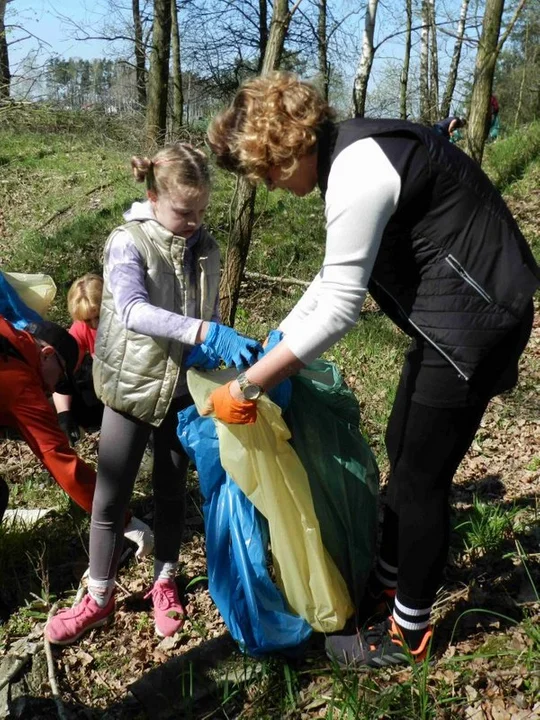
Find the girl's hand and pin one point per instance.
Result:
(231, 347)
(201, 356)
(229, 409)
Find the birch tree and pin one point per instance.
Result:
(363, 72)
(454, 63)
(322, 48)
(425, 115)
(433, 65)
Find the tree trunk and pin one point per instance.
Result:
(404, 80)
(322, 49)
(276, 39)
(140, 54)
(244, 199)
(178, 95)
(434, 66)
(263, 32)
(523, 75)
(486, 57)
(5, 74)
(158, 76)
(366, 61)
(454, 63)
(425, 116)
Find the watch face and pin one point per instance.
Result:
(252, 392)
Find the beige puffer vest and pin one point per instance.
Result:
(135, 373)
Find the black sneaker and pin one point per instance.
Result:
(377, 646)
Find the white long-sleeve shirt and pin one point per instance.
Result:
(362, 195)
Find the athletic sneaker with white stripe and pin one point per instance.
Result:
(377, 646)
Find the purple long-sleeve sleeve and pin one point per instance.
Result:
(126, 276)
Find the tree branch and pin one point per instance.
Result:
(510, 26)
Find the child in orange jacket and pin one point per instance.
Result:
(32, 364)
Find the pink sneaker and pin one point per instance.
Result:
(69, 624)
(169, 614)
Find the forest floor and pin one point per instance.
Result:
(485, 660)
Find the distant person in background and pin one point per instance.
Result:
(494, 121)
(449, 128)
(79, 406)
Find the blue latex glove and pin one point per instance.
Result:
(201, 356)
(232, 348)
(273, 339)
(280, 394)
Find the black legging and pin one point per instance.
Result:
(121, 446)
(425, 445)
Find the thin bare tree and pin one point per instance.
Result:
(425, 115)
(454, 63)
(140, 53)
(322, 48)
(363, 71)
(263, 32)
(5, 74)
(158, 75)
(404, 78)
(177, 115)
(433, 65)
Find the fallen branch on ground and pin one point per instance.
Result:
(282, 280)
(60, 709)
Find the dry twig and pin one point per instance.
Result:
(60, 709)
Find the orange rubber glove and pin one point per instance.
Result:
(224, 407)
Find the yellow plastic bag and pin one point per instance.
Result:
(267, 469)
(35, 289)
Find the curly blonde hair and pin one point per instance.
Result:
(84, 297)
(273, 121)
(174, 167)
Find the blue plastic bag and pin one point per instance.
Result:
(253, 608)
(13, 308)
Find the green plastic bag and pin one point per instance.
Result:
(324, 419)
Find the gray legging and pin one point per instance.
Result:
(121, 446)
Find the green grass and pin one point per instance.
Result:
(486, 527)
(507, 160)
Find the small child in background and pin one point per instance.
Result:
(82, 408)
(159, 314)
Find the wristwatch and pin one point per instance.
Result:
(250, 390)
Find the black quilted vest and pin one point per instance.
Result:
(453, 266)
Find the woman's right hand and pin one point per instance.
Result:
(223, 406)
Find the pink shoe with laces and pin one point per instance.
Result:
(69, 624)
(169, 613)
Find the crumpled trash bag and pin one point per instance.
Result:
(13, 308)
(324, 418)
(264, 465)
(25, 297)
(251, 605)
